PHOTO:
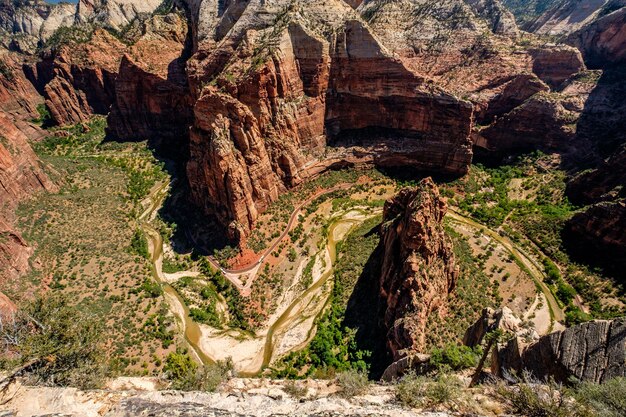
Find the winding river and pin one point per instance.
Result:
(197, 336)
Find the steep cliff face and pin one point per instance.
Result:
(77, 79)
(599, 234)
(593, 351)
(418, 271)
(569, 16)
(603, 40)
(114, 13)
(20, 173)
(526, 11)
(26, 24)
(279, 88)
(457, 45)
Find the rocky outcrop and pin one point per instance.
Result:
(502, 319)
(593, 351)
(20, 173)
(556, 65)
(526, 11)
(603, 41)
(277, 90)
(263, 398)
(77, 80)
(543, 121)
(27, 24)
(569, 16)
(418, 270)
(599, 234)
(115, 14)
(147, 106)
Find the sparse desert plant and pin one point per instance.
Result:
(420, 391)
(56, 344)
(352, 383)
(295, 390)
(187, 375)
(603, 400)
(534, 399)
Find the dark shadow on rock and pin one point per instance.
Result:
(364, 313)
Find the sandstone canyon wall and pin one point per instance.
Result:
(20, 172)
(418, 270)
(290, 79)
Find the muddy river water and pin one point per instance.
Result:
(252, 353)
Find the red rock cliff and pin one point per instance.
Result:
(275, 93)
(418, 270)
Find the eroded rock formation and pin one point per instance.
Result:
(20, 173)
(593, 351)
(26, 24)
(278, 89)
(418, 270)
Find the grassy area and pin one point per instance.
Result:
(89, 245)
(526, 201)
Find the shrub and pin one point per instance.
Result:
(532, 399)
(455, 357)
(139, 245)
(58, 344)
(565, 292)
(293, 389)
(70, 34)
(552, 272)
(186, 375)
(420, 391)
(606, 400)
(352, 383)
(575, 315)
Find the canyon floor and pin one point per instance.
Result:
(262, 305)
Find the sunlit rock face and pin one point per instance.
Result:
(289, 79)
(419, 269)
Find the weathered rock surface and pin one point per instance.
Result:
(20, 173)
(501, 319)
(26, 24)
(600, 233)
(456, 45)
(569, 16)
(280, 89)
(250, 398)
(593, 351)
(603, 40)
(418, 271)
(114, 13)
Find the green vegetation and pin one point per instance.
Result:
(234, 300)
(55, 343)
(334, 347)
(139, 244)
(352, 383)
(70, 35)
(421, 391)
(604, 400)
(472, 293)
(187, 375)
(455, 357)
(6, 71)
(45, 118)
(88, 240)
(159, 327)
(526, 202)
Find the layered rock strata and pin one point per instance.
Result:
(418, 271)
(593, 351)
(291, 78)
